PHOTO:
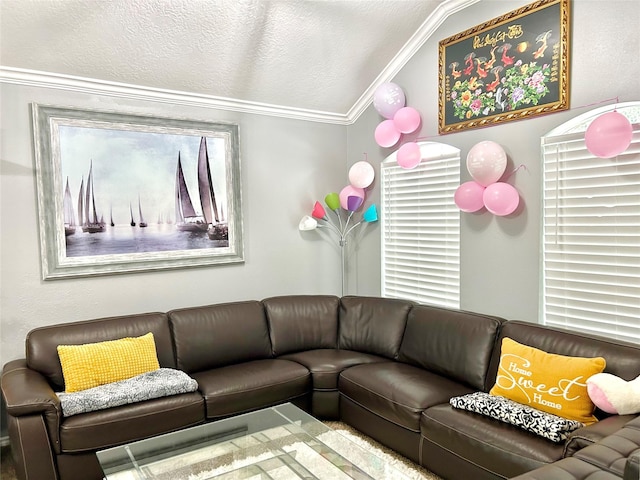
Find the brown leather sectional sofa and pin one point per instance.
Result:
(387, 367)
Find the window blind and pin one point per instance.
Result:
(421, 228)
(591, 238)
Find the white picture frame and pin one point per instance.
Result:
(98, 171)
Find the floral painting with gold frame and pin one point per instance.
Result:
(512, 67)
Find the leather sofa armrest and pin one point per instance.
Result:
(26, 392)
(632, 467)
(585, 436)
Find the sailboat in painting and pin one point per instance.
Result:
(216, 230)
(186, 218)
(132, 222)
(90, 223)
(69, 214)
(142, 223)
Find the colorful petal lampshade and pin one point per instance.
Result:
(353, 203)
(318, 211)
(332, 200)
(343, 205)
(307, 223)
(371, 214)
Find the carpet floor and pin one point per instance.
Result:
(7, 470)
(406, 466)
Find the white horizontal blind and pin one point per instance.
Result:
(591, 244)
(421, 228)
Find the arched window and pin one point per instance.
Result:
(421, 227)
(591, 231)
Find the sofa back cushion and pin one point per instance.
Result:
(302, 322)
(622, 358)
(217, 335)
(372, 324)
(453, 343)
(42, 343)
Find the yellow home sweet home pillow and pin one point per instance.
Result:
(94, 364)
(552, 383)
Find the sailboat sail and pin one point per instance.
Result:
(87, 197)
(184, 206)
(205, 186)
(142, 222)
(91, 223)
(132, 222)
(216, 230)
(69, 214)
(81, 202)
(186, 217)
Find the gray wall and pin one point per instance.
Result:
(286, 166)
(500, 256)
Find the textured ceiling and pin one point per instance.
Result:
(308, 55)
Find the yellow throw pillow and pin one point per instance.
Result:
(552, 383)
(94, 364)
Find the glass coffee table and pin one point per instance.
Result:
(281, 442)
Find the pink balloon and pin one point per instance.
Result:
(388, 99)
(361, 174)
(350, 191)
(468, 197)
(386, 134)
(608, 135)
(407, 120)
(409, 155)
(486, 162)
(501, 198)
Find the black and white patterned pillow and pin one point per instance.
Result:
(535, 421)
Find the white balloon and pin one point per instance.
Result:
(388, 99)
(486, 162)
(361, 174)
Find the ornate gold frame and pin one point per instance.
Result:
(512, 67)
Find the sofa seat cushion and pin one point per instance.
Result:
(586, 436)
(326, 364)
(567, 469)
(251, 385)
(611, 453)
(396, 391)
(632, 468)
(497, 447)
(128, 423)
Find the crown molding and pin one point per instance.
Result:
(417, 40)
(93, 86)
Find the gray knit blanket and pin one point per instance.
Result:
(157, 383)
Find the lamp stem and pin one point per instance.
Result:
(343, 243)
(352, 227)
(330, 224)
(337, 212)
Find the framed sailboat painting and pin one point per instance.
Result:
(120, 193)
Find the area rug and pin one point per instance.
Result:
(286, 453)
(404, 465)
(399, 463)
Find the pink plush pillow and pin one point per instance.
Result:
(613, 394)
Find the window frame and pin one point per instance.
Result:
(444, 161)
(581, 168)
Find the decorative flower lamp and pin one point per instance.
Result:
(344, 205)
(340, 226)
